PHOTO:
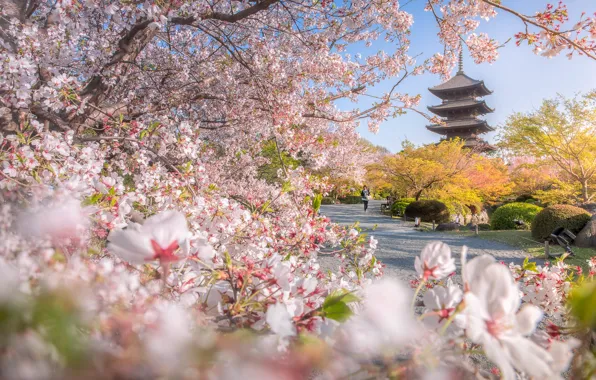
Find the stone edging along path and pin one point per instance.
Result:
(399, 243)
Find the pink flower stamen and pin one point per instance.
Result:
(494, 328)
(164, 254)
(445, 313)
(428, 271)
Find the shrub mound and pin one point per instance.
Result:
(428, 210)
(399, 206)
(566, 216)
(351, 199)
(327, 201)
(505, 216)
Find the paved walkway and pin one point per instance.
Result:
(399, 243)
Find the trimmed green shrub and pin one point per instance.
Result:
(566, 216)
(351, 199)
(524, 198)
(428, 210)
(398, 207)
(328, 201)
(505, 216)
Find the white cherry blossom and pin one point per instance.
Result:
(384, 322)
(435, 261)
(494, 320)
(280, 320)
(440, 303)
(158, 238)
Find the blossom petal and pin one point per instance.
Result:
(497, 355)
(280, 320)
(527, 319)
(167, 227)
(528, 357)
(130, 245)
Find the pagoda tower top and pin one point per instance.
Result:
(461, 108)
(461, 61)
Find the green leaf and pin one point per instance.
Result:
(338, 312)
(93, 200)
(340, 296)
(55, 315)
(265, 207)
(582, 302)
(530, 266)
(227, 259)
(316, 202)
(286, 187)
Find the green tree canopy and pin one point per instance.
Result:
(563, 132)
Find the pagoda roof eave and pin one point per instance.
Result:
(459, 81)
(439, 92)
(444, 129)
(442, 109)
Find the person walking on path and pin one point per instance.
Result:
(365, 194)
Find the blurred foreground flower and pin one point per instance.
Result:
(159, 238)
(493, 320)
(63, 219)
(384, 323)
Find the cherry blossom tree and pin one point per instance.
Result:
(137, 237)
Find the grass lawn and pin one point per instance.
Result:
(523, 240)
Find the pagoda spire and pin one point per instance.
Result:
(461, 59)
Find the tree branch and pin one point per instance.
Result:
(231, 18)
(167, 162)
(527, 20)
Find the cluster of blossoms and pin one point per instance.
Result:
(163, 295)
(161, 169)
(545, 286)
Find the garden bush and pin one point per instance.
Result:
(505, 216)
(398, 207)
(456, 208)
(351, 199)
(428, 210)
(566, 216)
(328, 201)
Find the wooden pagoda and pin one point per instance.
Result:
(461, 108)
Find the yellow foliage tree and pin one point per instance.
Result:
(563, 132)
(446, 171)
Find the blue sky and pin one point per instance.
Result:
(519, 78)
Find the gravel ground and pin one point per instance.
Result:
(399, 243)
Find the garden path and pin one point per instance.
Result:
(399, 243)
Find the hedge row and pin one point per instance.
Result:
(566, 216)
(428, 210)
(505, 216)
(399, 207)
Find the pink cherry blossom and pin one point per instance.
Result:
(158, 238)
(384, 322)
(435, 261)
(280, 320)
(494, 320)
(63, 219)
(441, 302)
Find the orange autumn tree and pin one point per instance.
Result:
(445, 171)
(419, 170)
(489, 178)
